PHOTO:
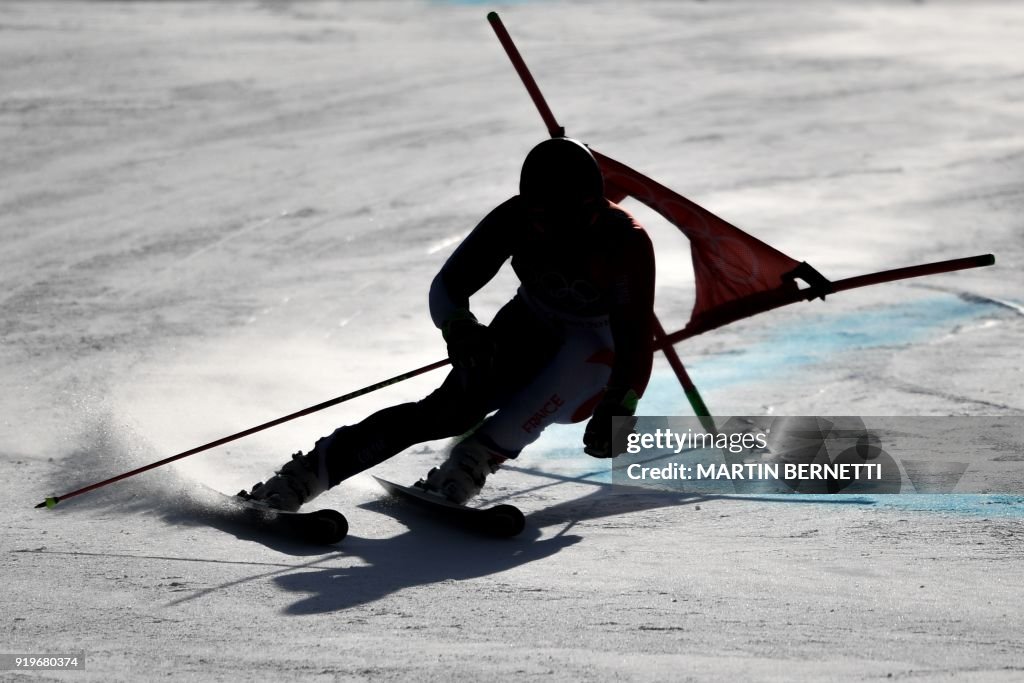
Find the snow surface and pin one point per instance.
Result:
(216, 213)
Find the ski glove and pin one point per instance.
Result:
(471, 347)
(597, 439)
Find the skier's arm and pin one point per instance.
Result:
(631, 318)
(471, 266)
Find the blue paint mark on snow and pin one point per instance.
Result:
(967, 504)
(821, 341)
(974, 505)
(816, 342)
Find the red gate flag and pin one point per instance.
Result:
(729, 265)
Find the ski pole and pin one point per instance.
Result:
(53, 500)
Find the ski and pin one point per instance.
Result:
(499, 520)
(318, 527)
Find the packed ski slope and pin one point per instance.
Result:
(215, 213)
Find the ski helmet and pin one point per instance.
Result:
(561, 172)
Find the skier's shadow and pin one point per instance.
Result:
(429, 552)
(432, 551)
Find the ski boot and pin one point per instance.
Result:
(301, 479)
(462, 475)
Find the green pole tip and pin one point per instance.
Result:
(49, 503)
(492, 16)
(697, 403)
